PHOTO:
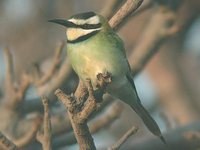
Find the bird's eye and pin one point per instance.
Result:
(86, 26)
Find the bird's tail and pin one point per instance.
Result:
(143, 113)
(148, 120)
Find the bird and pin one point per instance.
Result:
(93, 47)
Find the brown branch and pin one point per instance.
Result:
(79, 113)
(9, 71)
(30, 136)
(45, 139)
(6, 144)
(161, 26)
(14, 94)
(124, 138)
(81, 91)
(124, 12)
(81, 130)
(182, 138)
(21, 90)
(62, 125)
(108, 117)
(143, 8)
(91, 105)
(55, 62)
(63, 74)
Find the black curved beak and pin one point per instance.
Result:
(65, 23)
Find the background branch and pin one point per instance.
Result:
(124, 12)
(6, 144)
(45, 139)
(123, 139)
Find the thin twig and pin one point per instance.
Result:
(56, 61)
(124, 138)
(6, 144)
(14, 94)
(45, 139)
(153, 36)
(30, 136)
(63, 74)
(9, 70)
(21, 90)
(124, 12)
(107, 118)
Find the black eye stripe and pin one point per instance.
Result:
(86, 26)
(90, 26)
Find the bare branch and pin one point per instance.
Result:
(68, 101)
(6, 144)
(144, 7)
(30, 136)
(81, 91)
(21, 90)
(56, 61)
(45, 139)
(123, 139)
(9, 70)
(79, 113)
(155, 33)
(81, 130)
(14, 94)
(185, 137)
(63, 73)
(108, 118)
(124, 12)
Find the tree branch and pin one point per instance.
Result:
(107, 118)
(30, 136)
(55, 63)
(9, 71)
(6, 144)
(124, 12)
(45, 139)
(161, 26)
(123, 139)
(182, 138)
(79, 113)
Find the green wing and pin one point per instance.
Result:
(120, 44)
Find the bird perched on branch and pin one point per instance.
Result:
(93, 48)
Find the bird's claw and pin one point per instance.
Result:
(103, 79)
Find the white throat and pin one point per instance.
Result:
(75, 33)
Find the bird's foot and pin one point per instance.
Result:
(103, 79)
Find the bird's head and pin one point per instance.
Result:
(83, 26)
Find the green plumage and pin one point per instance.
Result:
(104, 52)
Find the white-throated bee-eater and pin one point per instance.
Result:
(93, 48)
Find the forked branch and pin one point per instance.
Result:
(79, 111)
